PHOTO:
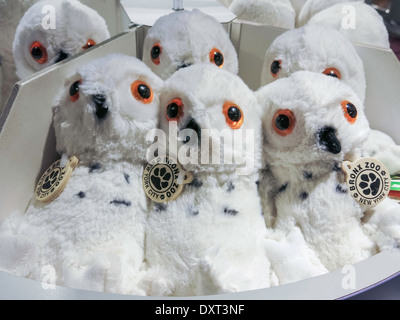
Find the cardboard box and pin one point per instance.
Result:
(27, 148)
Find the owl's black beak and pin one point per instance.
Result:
(61, 56)
(99, 101)
(328, 140)
(193, 127)
(184, 65)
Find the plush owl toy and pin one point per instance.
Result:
(183, 38)
(324, 50)
(269, 12)
(311, 124)
(358, 21)
(312, 7)
(53, 30)
(209, 239)
(11, 13)
(92, 234)
(317, 49)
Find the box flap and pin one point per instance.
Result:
(146, 12)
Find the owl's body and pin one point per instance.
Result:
(183, 38)
(311, 125)
(209, 240)
(93, 232)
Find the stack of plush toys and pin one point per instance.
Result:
(269, 205)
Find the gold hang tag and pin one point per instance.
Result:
(368, 180)
(54, 180)
(164, 180)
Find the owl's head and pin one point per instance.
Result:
(311, 118)
(214, 114)
(318, 49)
(183, 38)
(52, 31)
(107, 109)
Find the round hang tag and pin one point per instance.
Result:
(54, 180)
(164, 180)
(368, 180)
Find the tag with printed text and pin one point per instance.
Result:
(54, 180)
(368, 180)
(164, 180)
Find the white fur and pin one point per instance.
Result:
(75, 25)
(298, 5)
(209, 240)
(93, 233)
(269, 12)
(306, 189)
(11, 13)
(315, 48)
(312, 7)
(187, 37)
(382, 147)
(369, 27)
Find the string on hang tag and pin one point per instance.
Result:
(368, 180)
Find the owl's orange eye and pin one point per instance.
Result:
(332, 72)
(90, 43)
(216, 57)
(155, 53)
(234, 116)
(38, 52)
(284, 122)
(174, 110)
(350, 111)
(142, 92)
(276, 67)
(74, 91)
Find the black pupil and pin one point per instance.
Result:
(234, 114)
(144, 91)
(275, 67)
(155, 52)
(74, 88)
(37, 53)
(218, 58)
(351, 110)
(282, 122)
(332, 74)
(172, 110)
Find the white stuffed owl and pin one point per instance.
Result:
(311, 124)
(53, 30)
(317, 49)
(312, 7)
(276, 13)
(209, 240)
(183, 38)
(324, 50)
(358, 21)
(11, 13)
(92, 234)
